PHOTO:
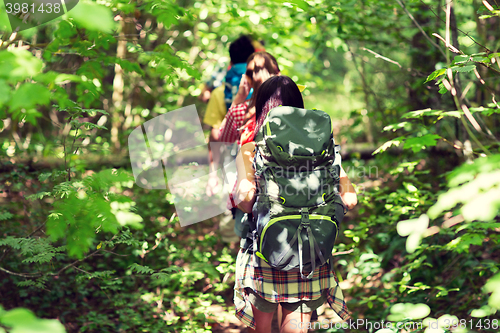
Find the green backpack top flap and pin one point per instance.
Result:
(298, 208)
(297, 137)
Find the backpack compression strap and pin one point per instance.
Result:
(313, 246)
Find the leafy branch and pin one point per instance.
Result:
(461, 31)
(38, 274)
(75, 112)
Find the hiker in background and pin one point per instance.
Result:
(220, 99)
(260, 66)
(218, 74)
(222, 96)
(259, 288)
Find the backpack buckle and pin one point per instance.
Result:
(305, 215)
(334, 171)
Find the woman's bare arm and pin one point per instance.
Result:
(245, 188)
(347, 192)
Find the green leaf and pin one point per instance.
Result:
(5, 216)
(171, 269)
(446, 321)
(40, 326)
(4, 24)
(29, 115)
(414, 229)
(394, 127)
(405, 228)
(476, 186)
(130, 66)
(93, 17)
(418, 114)
(167, 18)
(463, 69)
(40, 258)
(483, 207)
(38, 196)
(455, 114)
(467, 172)
(17, 65)
(435, 74)
(460, 59)
(130, 219)
(484, 311)
(24, 321)
(419, 311)
(63, 78)
(141, 269)
(481, 59)
(395, 142)
(4, 94)
(493, 286)
(28, 95)
(90, 126)
(15, 316)
(442, 88)
(299, 3)
(402, 311)
(419, 143)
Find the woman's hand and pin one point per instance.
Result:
(243, 90)
(350, 200)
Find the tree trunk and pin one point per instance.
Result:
(127, 30)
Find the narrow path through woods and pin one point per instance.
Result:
(226, 322)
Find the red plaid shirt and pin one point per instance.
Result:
(235, 118)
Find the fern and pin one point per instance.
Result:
(26, 283)
(64, 189)
(39, 250)
(40, 258)
(102, 275)
(160, 278)
(141, 269)
(38, 196)
(12, 242)
(52, 175)
(85, 207)
(5, 216)
(90, 126)
(123, 237)
(38, 283)
(171, 269)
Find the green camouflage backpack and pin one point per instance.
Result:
(298, 208)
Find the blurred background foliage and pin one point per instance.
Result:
(415, 81)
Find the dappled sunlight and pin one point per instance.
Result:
(114, 201)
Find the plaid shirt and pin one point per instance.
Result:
(279, 286)
(235, 118)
